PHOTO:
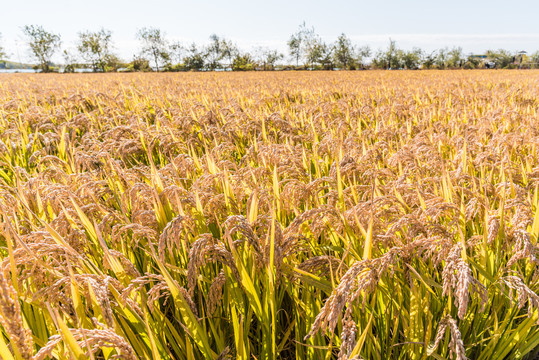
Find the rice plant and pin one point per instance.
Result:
(349, 215)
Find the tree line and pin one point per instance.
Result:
(306, 50)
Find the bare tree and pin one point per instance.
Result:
(42, 44)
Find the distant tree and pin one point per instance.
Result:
(154, 45)
(43, 45)
(294, 47)
(220, 49)
(214, 52)
(268, 57)
(243, 62)
(410, 59)
(326, 60)
(471, 62)
(2, 51)
(114, 63)
(391, 55)
(455, 58)
(501, 58)
(177, 52)
(441, 58)
(95, 48)
(360, 55)
(318, 52)
(428, 60)
(343, 52)
(195, 60)
(299, 43)
(534, 60)
(139, 64)
(379, 61)
(69, 62)
(388, 59)
(229, 50)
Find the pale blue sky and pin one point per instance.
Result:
(474, 25)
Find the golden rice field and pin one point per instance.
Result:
(305, 215)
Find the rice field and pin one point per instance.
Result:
(290, 215)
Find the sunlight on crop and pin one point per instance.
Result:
(287, 215)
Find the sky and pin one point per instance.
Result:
(476, 26)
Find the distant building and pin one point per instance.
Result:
(483, 60)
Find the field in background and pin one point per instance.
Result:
(339, 215)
